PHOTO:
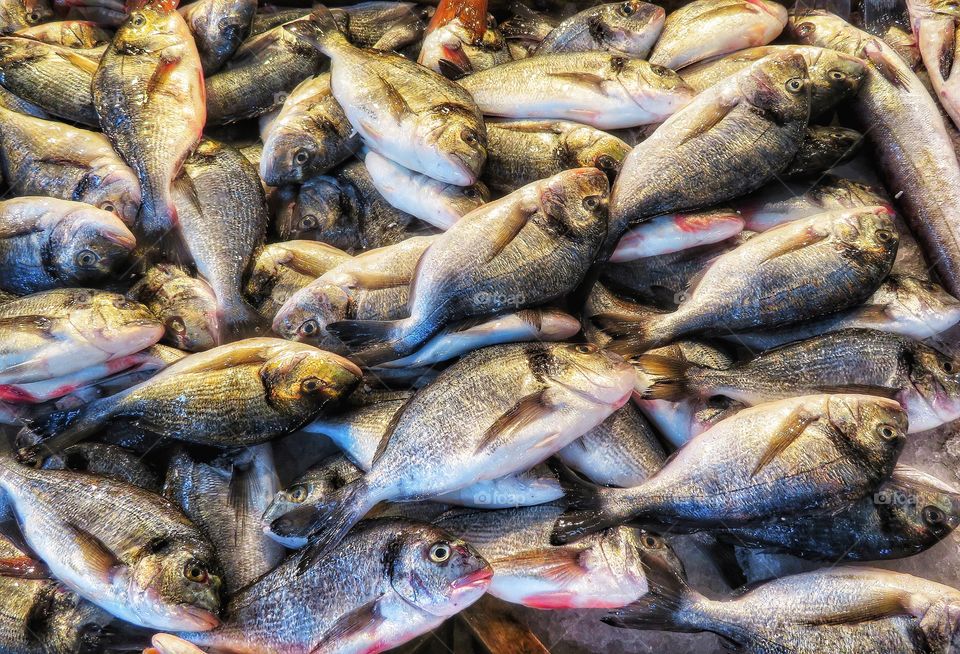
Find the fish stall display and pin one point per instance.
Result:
(479, 327)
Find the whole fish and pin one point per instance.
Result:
(603, 571)
(47, 243)
(187, 306)
(345, 210)
(281, 269)
(225, 499)
(55, 78)
(892, 103)
(81, 34)
(402, 110)
(230, 225)
(604, 90)
(677, 232)
(761, 284)
(308, 137)
(149, 95)
(841, 609)
(388, 582)
(436, 203)
(125, 549)
(709, 28)
(812, 452)
(107, 461)
(243, 393)
(909, 513)
(527, 402)
(461, 40)
(547, 234)
(43, 157)
(629, 28)
(623, 450)
(58, 332)
(218, 28)
(19, 14)
(520, 152)
(824, 148)
(924, 381)
(259, 76)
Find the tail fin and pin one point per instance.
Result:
(587, 507)
(634, 333)
(240, 320)
(333, 520)
(319, 30)
(667, 377)
(59, 430)
(379, 341)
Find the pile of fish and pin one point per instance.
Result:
(323, 326)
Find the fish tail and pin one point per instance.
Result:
(334, 519)
(378, 341)
(668, 377)
(633, 333)
(587, 507)
(239, 320)
(319, 30)
(59, 430)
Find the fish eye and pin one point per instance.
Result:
(794, 85)
(836, 74)
(34, 17)
(309, 327)
(195, 572)
(933, 516)
(627, 9)
(585, 348)
(308, 222)
(471, 192)
(86, 258)
(440, 552)
(888, 432)
(108, 206)
(301, 157)
(657, 69)
(298, 493)
(469, 137)
(607, 163)
(138, 20)
(591, 202)
(884, 235)
(176, 325)
(805, 30)
(311, 385)
(652, 542)
(948, 366)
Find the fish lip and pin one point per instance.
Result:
(206, 619)
(474, 580)
(127, 242)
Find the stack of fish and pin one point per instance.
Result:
(318, 325)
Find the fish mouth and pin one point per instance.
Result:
(198, 619)
(126, 241)
(477, 579)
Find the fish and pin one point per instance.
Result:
(230, 225)
(383, 25)
(891, 102)
(55, 78)
(677, 232)
(623, 450)
(525, 29)
(9, 101)
(308, 137)
(934, 27)
(531, 400)
(907, 514)
(259, 76)
(436, 203)
(186, 306)
(925, 381)
(630, 28)
(389, 581)
(345, 210)
(19, 14)
(401, 110)
(155, 571)
(150, 72)
(218, 28)
(281, 269)
(709, 28)
(775, 459)
(43, 157)
(46, 243)
(461, 39)
(105, 460)
(243, 393)
(58, 332)
(600, 89)
(837, 609)
(520, 152)
(225, 499)
(81, 34)
(547, 233)
(741, 301)
(824, 148)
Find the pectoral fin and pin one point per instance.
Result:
(788, 431)
(528, 410)
(560, 565)
(358, 623)
(97, 557)
(798, 241)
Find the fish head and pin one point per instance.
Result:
(575, 202)
(821, 28)
(868, 232)
(192, 320)
(435, 571)
(463, 199)
(935, 375)
(779, 87)
(152, 28)
(842, 193)
(224, 24)
(590, 376)
(919, 307)
(456, 132)
(299, 381)
(656, 88)
(305, 315)
(292, 156)
(118, 192)
(631, 27)
(18, 15)
(919, 505)
(585, 147)
(875, 426)
(319, 211)
(175, 585)
(87, 244)
(115, 324)
(834, 76)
